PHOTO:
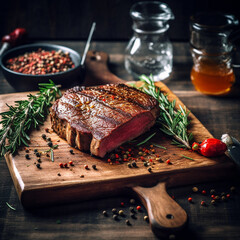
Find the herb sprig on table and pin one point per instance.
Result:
(171, 121)
(25, 115)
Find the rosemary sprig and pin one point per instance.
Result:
(25, 115)
(172, 122)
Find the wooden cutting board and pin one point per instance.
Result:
(52, 184)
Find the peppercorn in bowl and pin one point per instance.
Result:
(26, 66)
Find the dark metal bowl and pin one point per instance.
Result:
(26, 82)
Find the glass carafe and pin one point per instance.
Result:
(149, 51)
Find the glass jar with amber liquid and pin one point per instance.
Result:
(212, 72)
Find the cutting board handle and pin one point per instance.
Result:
(97, 72)
(166, 217)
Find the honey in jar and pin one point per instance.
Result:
(211, 50)
(212, 77)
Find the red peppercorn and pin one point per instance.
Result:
(61, 165)
(109, 160)
(86, 166)
(71, 163)
(65, 165)
(204, 192)
(213, 196)
(228, 195)
(203, 203)
(190, 199)
(168, 161)
(138, 208)
(173, 197)
(122, 203)
(116, 155)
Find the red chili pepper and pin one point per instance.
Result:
(211, 147)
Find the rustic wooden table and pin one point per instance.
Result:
(85, 220)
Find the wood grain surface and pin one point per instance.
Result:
(84, 220)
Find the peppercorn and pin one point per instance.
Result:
(35, 150)
(59, 174)
(71, 151)
(217, 197)
(223, 198)
(65, 165)
(190, 199)
(27, 150)
(81, 176)
(121, 213)
(38, 165)
(61, 165)
(150, 169)
(138, 208)
(146, 218)
(49, 139)
(86, 166)
(114, 210)
(115, 216)
(212, 191)
(145, 164)
(131, 209)
(94, 167)
(233, 189)
(39, 160)
(132, 201)
(213, 202)
(129, 165)
(50, 144)
(228, 195)
(127, 222)
(134, 164)
(204, 192)
(105, 213)
(71, 163)
(27, 156)
(223, 194)
(44, 136)
(38, 154)
(195, 189)
(203, 203)
(168, 161)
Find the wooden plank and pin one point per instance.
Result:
(44, 186)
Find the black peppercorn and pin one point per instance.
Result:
(50, 144)
(38, 165)
(115, 216)
(134, 164)
(44, 136)
(27, 156)
(71, 151)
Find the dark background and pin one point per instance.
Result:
(71, 20)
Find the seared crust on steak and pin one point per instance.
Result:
(101, 118)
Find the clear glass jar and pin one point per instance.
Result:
(212, 72)
(149, 51)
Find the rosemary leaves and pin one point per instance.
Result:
(171, 121)
(25, 115)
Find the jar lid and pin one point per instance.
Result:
(151, 10)
(213, 21)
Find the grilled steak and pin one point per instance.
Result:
(101, 118)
